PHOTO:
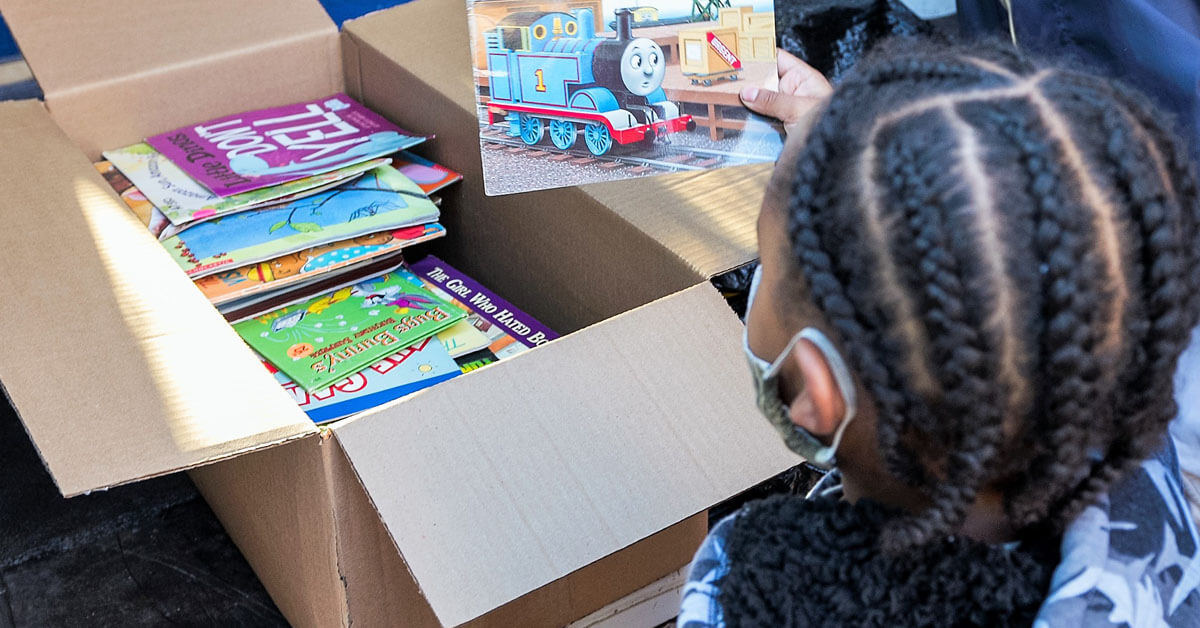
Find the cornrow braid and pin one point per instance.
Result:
(829, 290)
(1071, 304)
(921, 244)
(1006, 253)
(1162, 253)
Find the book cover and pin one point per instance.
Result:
(307, 264)
(379, 200)
(327, 339)
(430, 176)
(497, 342)
(581, 91)
(259, 149)
(462, 338)
(526, 329)
(137, 202)
(263, 302)
(184, 201)
(400, 374)
(477, 360)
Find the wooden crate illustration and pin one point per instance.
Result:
(758, 21)
(734, 17)
(708, 54)
(758, 42)
(756, 32)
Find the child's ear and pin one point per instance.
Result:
(819, 407)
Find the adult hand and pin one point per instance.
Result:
(797, 95)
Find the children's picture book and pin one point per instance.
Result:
(430, 176)
(379, 200)
(415, 368)
(498, 343)
(308, 264)
(263, 302)
(462, 337)
(493, 309)
(267, 147)
(329, 338)
(474, 361)
(581, 91)
(183, 201)
(145, 211)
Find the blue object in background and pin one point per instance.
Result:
(8, 47)
(342, 10)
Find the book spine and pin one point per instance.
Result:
(526, 329)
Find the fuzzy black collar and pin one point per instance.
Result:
(816, 562)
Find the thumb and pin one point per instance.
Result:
(791, 110)
(765, 102)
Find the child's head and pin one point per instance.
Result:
(1006, 256)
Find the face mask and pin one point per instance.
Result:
(766, 381)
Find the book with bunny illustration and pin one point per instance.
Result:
(259, 149)
(329, 338)
(379, 200)
(411, 369)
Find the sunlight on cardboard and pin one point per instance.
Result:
(708, 219)
(209, 386)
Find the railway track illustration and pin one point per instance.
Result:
(669, 158)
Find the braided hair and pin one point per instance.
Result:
(1008, 254)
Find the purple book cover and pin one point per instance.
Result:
(258, 149)
(525, 328)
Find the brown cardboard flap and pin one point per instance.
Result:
(116, 72)
(500, 481)
(118, 366)
(707, 219)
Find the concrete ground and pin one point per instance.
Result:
(147, 554)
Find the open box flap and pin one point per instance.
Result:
(498, 482)
(114, 73)
(707, 218)
(118, 366)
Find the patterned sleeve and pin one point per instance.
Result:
(1132, 559)
(701, 608)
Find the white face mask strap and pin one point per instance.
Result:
(845, 384)
(775, 366)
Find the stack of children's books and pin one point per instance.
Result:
(293, 222)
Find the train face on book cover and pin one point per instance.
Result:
(267, 147)
(581, 91)
(327, 339)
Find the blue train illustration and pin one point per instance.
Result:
(550, 74)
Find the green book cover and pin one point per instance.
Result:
(329, 338)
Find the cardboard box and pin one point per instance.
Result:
(531, 492)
